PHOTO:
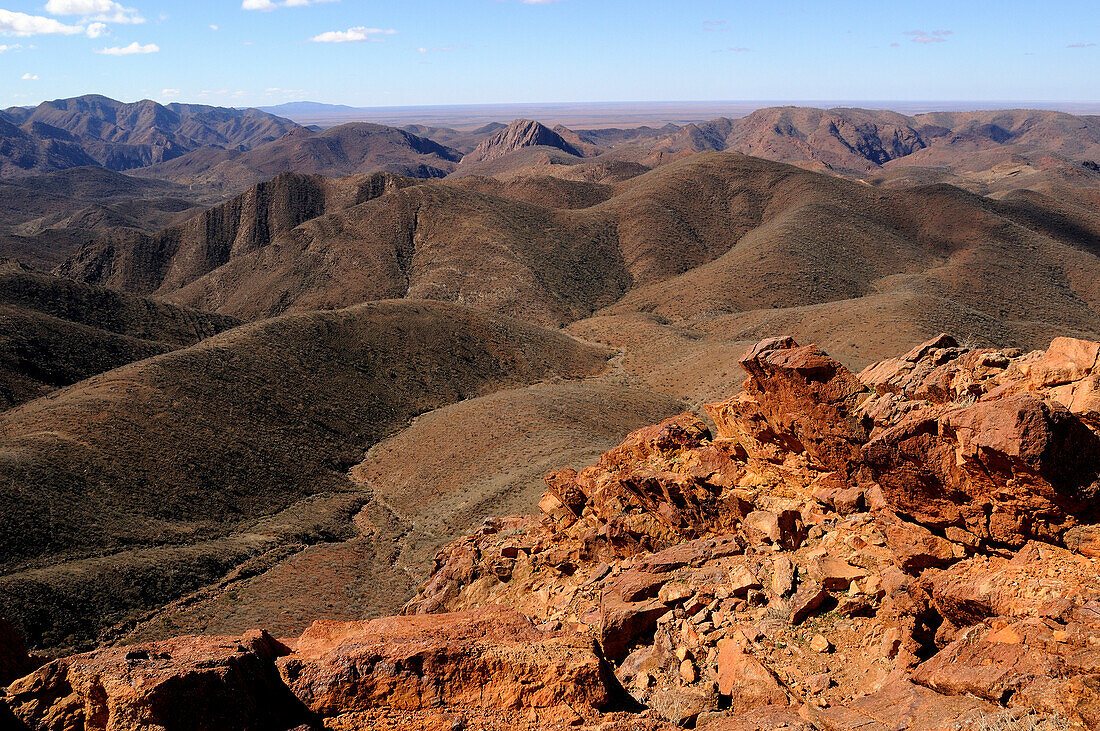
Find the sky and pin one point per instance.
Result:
(438, 52)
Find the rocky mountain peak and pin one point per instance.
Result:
(519, 134)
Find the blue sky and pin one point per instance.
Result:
(412, 52)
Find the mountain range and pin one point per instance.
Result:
(261, 372)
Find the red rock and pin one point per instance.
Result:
(624, 624)
(834, 574)
(783, 529)
(768, 718)
(993, 663)
(634, 586)
(746, 680)
(692, 553)
(183, 683)
(803, 395)
(902, 705)
(916, 547)
(491, 658)
(1012, 459)
(809, 597)
(682, 706)
(1084, 539)
(1039, 581)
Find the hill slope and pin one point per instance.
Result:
(519, 134)
(349, 149)
(142, 484)
(711, 235)
(55, 332)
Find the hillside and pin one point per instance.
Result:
(122, 136)
(172, 258)
(717, 243)
(912, 546)
(55, 332)
(857, 141)
(22, 152)
(143, 484)
(348, 149)
(482, 456)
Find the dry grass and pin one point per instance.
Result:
(1016, 720)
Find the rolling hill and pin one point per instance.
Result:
(344, 150)
(711, 235)
(148, 482)
(55, 332)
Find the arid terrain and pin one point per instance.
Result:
(323, 426)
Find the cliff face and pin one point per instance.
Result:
(910, 547)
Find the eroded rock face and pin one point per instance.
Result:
(193, 683)
(996, 443)
(486, 659)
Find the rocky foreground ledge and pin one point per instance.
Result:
(910, 548)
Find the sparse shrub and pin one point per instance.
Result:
(1016, 720)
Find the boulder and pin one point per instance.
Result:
(807, 399)
(1040, 580)
(490, 658)
(902, 705)
(186, 683)
(746, 681)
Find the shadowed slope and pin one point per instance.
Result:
(172, 258)
(122, 136)
(55, 332)
(350, 149)
(234, 447)
(431, 481)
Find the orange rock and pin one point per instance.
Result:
(1039, 581)
(213, 682)
(746, 680)
(901, 704)
(490, 658)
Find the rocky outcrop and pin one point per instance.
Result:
(519, 134)
(477, 661)
(826, 545)
(183, 683)
(913, 547)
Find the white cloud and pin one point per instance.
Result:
(129, 50)
(936, 36)
(166, 93)
(21, 24)
(1081, 45)
(352, 35)
(29, 77)
(213, 27)
(538, 2)
(267, 5)
(107, 11)
(95, 30)
(13, 47)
